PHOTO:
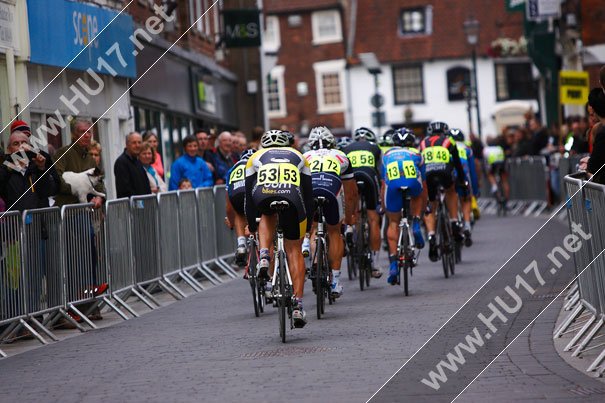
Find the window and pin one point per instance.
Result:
(458, 83)
(326, 27)
(514, 81)
(408, 85)
(329, 81)
(416, 21)
(271, 40)
(198, 8)
(276, 93)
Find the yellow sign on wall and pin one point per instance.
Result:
(573, 87)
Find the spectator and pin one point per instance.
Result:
(23, 127)
(523, 145)
(76, 158)
(131, 178)
(146, 157)
(17, 178)
(256, 134)
(191, 166)
(95, 152)
(539, 136)
(205, 149)
(575, 142)
(223, 159)
(240, 143)
(185, 184)
(594, 164)
(152, 138)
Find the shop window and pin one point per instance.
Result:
(408, 84)
(271, 39)
(458, 83)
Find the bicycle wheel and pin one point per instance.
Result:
(254, 282)
(281, 302)
(361, 257)
(319, 278)
(442, 230)
(404, 263)
(458, 252)
(451, 248)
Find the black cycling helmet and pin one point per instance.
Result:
(247, 154)
(437, 127)
(457, 135)
(290, 137)
(363, 133)
(404, 137)
(343, 142)
(386, 140)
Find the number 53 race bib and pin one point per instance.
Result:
(272, 174)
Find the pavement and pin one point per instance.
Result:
(211, 348)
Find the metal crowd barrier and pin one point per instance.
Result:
(53, 260)
(586, 206)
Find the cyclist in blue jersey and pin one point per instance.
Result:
(235, 208)
(464, 193)
(402, 166)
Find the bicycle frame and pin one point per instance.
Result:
(280, 248)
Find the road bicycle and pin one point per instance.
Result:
(363, 254)
(500, 199)
(257, 285)
(321, 275)
(282, 292)
(445, 237)
(406, 256)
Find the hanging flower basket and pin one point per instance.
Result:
(508, 47)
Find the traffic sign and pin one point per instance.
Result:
(542, 9)
(378, 119)
(377, 100)
(573, 87)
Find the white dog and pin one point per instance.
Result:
(82, 184)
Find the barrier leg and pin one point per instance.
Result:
(33, 332)
(568, 321)
(9, 330)
(71, 320)
(114, 308)
(595, 364)
(192, 277)
(225, 267)
(126, 306)
(151, 298)
(579, 335)
(192, 284)
(207, 271)
(82, 316)
(588, 337)
(167, 289)
(3, 354)
(575, 298)
(174, 287)
(43, 329)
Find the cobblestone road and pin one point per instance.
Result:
(211, 348)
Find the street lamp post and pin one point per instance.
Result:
(371, 63)
(471, 29)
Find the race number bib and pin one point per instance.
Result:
(324, 164)
(361, 158)
(270, 174)
(462, 153)
(237, 174)
(436, 155)
(409, 170)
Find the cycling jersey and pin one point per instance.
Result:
(401, 167)
(441, 158)
(468, 164)
(277, 174)
(494, 158)
(366, 165)
(236, 185)
(328, 169)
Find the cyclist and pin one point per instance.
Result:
(441, 158)
(385, 142)
(495, 160)
(236, 193)
(468, 164)
(343, 142)
(278, 172)
(332, 173)
(402, 166)
(364, 156)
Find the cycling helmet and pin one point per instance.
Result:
(437, 127)
(404, 137)
(386, 140)
(290, 137)
(343, 142)
(457, 135)
(363, 133)
(247, 154)
(275, 138)
(321, 137)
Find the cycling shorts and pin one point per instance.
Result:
(463, 191)
(293, 221)
(333, 210)
(370, 189)
(435, 179)
(497, 168)
(237, 201)
(393, 197)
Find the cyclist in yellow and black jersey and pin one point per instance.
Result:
(278, 172)
(332, 175)
(365, 158)
(441, 158)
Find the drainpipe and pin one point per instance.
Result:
(12, 80)
(349, 54)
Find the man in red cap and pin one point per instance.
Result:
(22, 126)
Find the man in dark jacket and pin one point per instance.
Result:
(131, 178)
(24, 184)
(595, 164)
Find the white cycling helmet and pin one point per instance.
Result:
(321, 137)
(275, 138)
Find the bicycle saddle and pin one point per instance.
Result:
(279, 205)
